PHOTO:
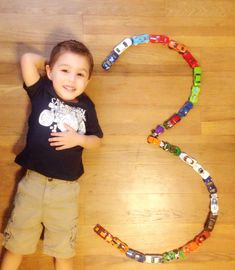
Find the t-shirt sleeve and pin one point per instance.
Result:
(93, 126)
(32, 90)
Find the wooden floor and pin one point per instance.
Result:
(144, 196)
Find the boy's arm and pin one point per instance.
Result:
(31, 65)
(70, 138)
(90, 141)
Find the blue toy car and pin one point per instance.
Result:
(185, 109)
(136, 255)
(109, 60)
(210, 185)
(145, 38)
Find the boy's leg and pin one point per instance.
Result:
(11, 261)
(64, 264)
(61, 220)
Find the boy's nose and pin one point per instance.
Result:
(72, 77)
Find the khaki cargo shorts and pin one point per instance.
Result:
(42, 201)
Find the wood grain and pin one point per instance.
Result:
(144, 196)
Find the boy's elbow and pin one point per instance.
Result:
(25, 59)
(97, 142)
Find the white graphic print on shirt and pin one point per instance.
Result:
(60, 114)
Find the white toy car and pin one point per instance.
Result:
(214, 204)
(122, 46)
(187, 159)
(200, 170)
(153, 258)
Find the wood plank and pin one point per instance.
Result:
(224, 8)
(18, 28)
(148, 198)
(94, 7)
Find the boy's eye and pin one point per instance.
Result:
(80, 74)
(64, 70)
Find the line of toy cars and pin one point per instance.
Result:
(214, 208)
(174, 254)
(153, 138)
(146, 38)
(183, 111)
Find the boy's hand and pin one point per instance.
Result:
(66, 139)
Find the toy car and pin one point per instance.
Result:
(140, 39)
(109, 60)
(210, 185)
(189, 247)
(198, 168)
(159, 129)
(195, 90)
(210, 222)
(153, 140)
(214, 204)
(185, 109)
(123, 247)
(194, 94)
(106, 65)
(177, 46)
(122, 46)
(168, 256)
(153, 258)
(179, 254)
(201, 237)
(171, 121)
(164, 145)
(205, 174)
(207, 180)
(174, 150)
(103, 233)
(194, 98)
(173, 255)
(197, 73)
(187, 159)
(136, 255)
(190, 59)
(159, 39)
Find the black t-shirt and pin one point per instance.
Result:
(48, 114)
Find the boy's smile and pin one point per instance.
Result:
(69, 75)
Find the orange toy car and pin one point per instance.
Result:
(123, 247)
(181, 48)
(189, 247)
(153, 140)
(108, 237)
(201, 237)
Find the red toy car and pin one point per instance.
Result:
(190, 59)
(159, 39)
(171, 121)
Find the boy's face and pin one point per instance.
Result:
(69, 75)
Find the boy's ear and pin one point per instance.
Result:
(48, 71)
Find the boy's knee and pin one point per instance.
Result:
(64, 259)
(64, 264)
(9, 253)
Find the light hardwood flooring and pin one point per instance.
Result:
(144, 196)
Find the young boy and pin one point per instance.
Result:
(63, 121)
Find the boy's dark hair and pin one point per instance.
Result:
(73, 46)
